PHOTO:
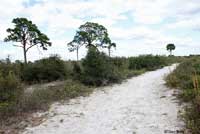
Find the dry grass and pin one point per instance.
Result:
(38, 100)
(186, 77)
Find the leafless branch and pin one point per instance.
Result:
(30, 47)
(17, 46)
(39, 50)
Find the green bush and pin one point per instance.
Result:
(121, 65)
(6, 66)
(69, 65)
(186, 77)
(10, 94)
(44, 70)
(181, 77)
(77, 71)
(148, 62)
(98, 69)
(74, 89)
(10, 88)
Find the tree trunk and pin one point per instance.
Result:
(24, 49)
(25, 58)
(77, 53)
(109, 52)
(170, 52)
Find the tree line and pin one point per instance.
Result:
(28, 35)
(89, 35)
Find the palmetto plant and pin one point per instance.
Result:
(110, 46)
(170, 48)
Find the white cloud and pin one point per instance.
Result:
(58, 18)
(189, 22)
(149, 11)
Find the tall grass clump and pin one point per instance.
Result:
(42, 98)
(186, 77)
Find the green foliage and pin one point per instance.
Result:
(148, 62)
(98, 68)
(77, 71)
(10, 94)
(45, 70)
(93, 34)
(121, 67)
(16, 68)
(27, 34)
(90, 34)
(42, 98)
(95, 69)
(10, 88)
(69, 69)
(110, 45)
(5, 67)
(181, 77)
(74, 88)
(187, 78)
(170, 47)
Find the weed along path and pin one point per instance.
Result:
(141, 105)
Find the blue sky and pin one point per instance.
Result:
(137, 26)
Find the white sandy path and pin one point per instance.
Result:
(142, 105)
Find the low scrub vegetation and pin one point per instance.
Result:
(44, 70)
(186, 77)
(78, 77)
(148, 62)
(98, 69)
(40, 99)
(10, 93)
(12, 112)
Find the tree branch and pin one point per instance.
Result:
(39, 50)
(30, 47)
(17, 46)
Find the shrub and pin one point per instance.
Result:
(6, 66)
(181, 77)
(10, 88)
(74, 89)
(121, 65)
(10, 94)
(148, 62)
(187, 77)
(77, 71)
(45, 70)
(98, 68)
(68, 68)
